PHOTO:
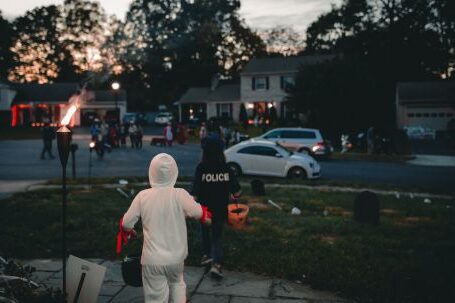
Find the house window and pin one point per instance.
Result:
(260, 83)
(411, 115)
(287, 82)
(224, 110)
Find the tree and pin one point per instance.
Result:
(83, 27)
(282, 40)
(6, 56)
(36, 49)
(171, 45)
(379, 43)
(237, 47)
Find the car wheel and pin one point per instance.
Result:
(305, 151)
(235, 168)
(297, 173)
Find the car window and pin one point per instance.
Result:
(251, 150)
(299, 134)
(258, 150)
(273, 135)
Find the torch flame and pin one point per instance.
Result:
(69, 114)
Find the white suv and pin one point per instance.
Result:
(163, 118)
(307, 140)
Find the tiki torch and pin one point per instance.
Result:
(64, 147)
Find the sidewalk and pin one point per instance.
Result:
(324, 188)
(234, 288)
(433, 160)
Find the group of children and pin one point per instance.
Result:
(162, 210)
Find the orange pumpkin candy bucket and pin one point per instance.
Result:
(237, 215)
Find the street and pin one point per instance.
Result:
(20, 161)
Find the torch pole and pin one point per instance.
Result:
(64, 230)
(63, 144)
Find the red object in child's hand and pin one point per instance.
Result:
(123, 236)
(206, 217)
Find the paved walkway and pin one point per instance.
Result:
(33, 185)
(433, 160)
(234, 288)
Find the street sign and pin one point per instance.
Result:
(84, 280)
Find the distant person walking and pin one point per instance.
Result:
(169, 134)
(123, 134)
(139, 136)
(236, 136)
(48, 135)
(133, 134)
(203, 132)
(370, 140)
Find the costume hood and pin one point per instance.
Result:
(163, 171)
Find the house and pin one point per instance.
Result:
(32, 104)
(207, 102)
(264, 83)
(429, 104)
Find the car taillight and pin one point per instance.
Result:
(320, 143)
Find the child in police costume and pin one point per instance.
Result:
(213, 184)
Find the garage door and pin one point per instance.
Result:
(435, 118)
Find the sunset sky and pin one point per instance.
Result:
(257, 13)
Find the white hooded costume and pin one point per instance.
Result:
(162, 210)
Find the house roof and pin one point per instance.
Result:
(223, 93)
(282, 64)
(55, 93)
(443, 91)
(58, 93)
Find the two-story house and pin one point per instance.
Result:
(264, 83)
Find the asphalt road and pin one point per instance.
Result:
(19, 160)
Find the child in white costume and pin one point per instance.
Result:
(162, 210)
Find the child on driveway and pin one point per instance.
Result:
(162, 210)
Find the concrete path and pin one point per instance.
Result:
(323, 188)
(234, 288)
(9, 187)
(433, 160)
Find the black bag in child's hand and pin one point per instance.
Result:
(132, 270)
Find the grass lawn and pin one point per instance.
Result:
(409, 257)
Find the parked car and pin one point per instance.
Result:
(420, 132)
(265, 158)
(307, 140)
(163, 118)
(134, 117)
